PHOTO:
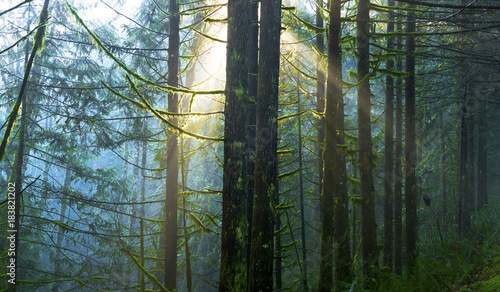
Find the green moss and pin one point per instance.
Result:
(492, 284)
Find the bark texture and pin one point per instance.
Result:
(410, 143)
(368, 225)
(266, 188)
(233, 271)
(172, 153)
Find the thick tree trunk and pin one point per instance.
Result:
(410, 143)
(334, 155)
(233, 271)
(170, 261)
(398, 171)
(253, 72)
(389, 150)
(368, 225)
(278, 268)
(266, 187)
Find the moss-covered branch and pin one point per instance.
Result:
(37, 47)
(136, 75)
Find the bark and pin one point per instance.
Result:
(233, 270)
(320, 103)
(141, 256)
(335, 177)
(301, 193)
(266, 187)
(278, 268)
(143, 199)
(189, 281)
(464, 200)
(398, 155)
(443, 170)
(253, 68)
(368, 225)
(170, 260)
(482, 191)
(410, 143)
(389, 150)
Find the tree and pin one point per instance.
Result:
(233, 275)
(398, 171)
(266, 188)
(170, 260)
(389, 149)
(368, 225)
(335, 197)
(410, 143)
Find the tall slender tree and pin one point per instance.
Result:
(368, 225)
(320, 97)
(170, 260)
(253, 72)
(389, 149)
(410, 143)
(398, 171)
(266, 161)
(482, 161)
(233, 271)
(335, 173)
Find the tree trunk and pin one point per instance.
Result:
(389, 150)
(464, 208)
(301, 193)
(482, 190)
(443, 170)
(278, 270)
(189, 281)
(253, 72)
(62, 219)
(170, 263)
(266, 187)
(368, 225)
(320, 104)
(233, 270)
(410, 143)
(398, 171)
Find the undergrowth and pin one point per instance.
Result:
(453, 263)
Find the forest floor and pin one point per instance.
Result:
(485, 278)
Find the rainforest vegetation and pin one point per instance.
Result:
(246, 145)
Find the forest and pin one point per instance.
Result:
(249, 145)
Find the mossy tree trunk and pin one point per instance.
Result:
(233, 269)
(389, 150)
(398, 170)
(266, 162)
(368, 225)
(320, 102)
(301, 192)
(170, 260)
(410, 144)
(253, 72)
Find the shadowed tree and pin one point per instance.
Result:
(335, 198)
(233, 270)
(266, 161)
(172, 153)
(368, 225)
(389, 149)
(410, 143)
